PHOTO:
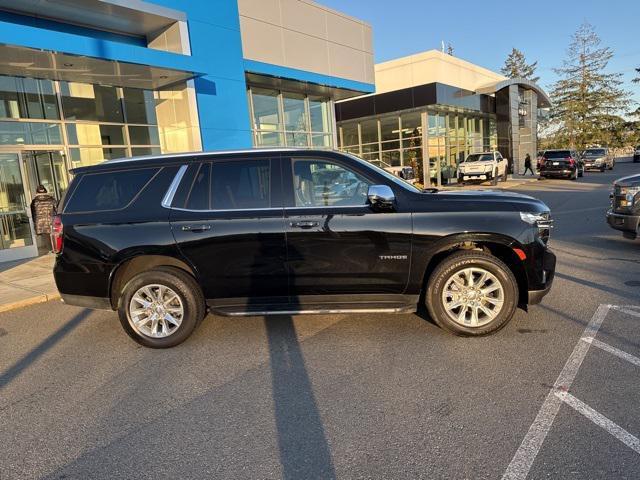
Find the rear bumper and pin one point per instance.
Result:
(98, 303)
(624, 223)
(557, 173)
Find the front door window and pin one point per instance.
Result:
(15, 229)
(318, 183)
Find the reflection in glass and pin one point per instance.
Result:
(294, 112)
(320, 114)
(369, 131)
(27, 98)
(15, 230)
(30, 133)
(139, 105)
(297, 139)
(93, 134)
(349, 134)
(269, 139)
(82, 157)
(389, 128)
(139, 151)
(144, 136)
(265, 109)
(84, 101)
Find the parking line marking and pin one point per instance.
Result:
(617, 431)
(626, 309)
(524, 457)
(613, 350)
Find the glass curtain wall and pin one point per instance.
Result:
(290, 119)
(399, 140)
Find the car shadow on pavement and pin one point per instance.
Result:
(303, 446)
(17, 368)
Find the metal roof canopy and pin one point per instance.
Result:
(131, 17)
(45, 64)
(309, 88)
(543, 100)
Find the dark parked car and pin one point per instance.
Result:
(636, 154)
(561, 163)
(625, 206)
(162, 239)
(598, 159)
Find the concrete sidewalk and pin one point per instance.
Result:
(25, 282)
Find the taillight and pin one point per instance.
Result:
(543, 161)
(572, 162)
(56, 234)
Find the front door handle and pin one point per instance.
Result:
(196, 228)
(303, 224)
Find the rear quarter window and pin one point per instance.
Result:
(108, 190)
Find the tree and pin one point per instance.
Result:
(586, 97)
(637, 80)
(516, 66)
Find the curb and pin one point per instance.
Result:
(7, 307)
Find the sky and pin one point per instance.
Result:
(483, 32)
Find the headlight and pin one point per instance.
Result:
(540, 220)
(598, 161)
(629, 193)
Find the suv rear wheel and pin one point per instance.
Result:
(160, 308)
(472, 293)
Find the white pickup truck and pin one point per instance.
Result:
(483, 166)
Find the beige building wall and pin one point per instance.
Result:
(428, 67)
(305, 35)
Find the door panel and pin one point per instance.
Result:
(238, 244)
(336, 244)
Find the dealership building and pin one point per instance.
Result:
(82, 81)
(430, 110)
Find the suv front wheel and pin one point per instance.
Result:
(472, 293)
(160, 308)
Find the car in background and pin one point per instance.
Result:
(636, 154)
(598, 159)
(483, 166)
(539, 159)
(624, 214)
(561, 163)
(405, 173)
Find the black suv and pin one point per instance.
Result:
(561, 163)
(162, 239)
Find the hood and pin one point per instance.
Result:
(478, 199)
(486, 163)
(630, 181)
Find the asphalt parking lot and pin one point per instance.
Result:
(346, 396)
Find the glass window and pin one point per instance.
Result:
(320, 114)
(369, 131)
(27, 98)
(144, 136)
(200, 188)
(319, 183)
(81, 157)
(297, 139)
(27, 133)
(349, 134)
(241, 185)
(108, 191)
(389, 128)
(139, 105)
(294, 112)
(391, 159)
(269, 139)
(83, 101)
(138, 151)
(321, 140)
(265, 109)
(92, 134)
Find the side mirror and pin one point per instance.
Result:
(381, 197)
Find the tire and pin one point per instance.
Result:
(191, 303)
(504, 175)
(461, 180)
(494, 180)
(580, 172)
(602, 169)
(574, 175)
(613, 164)
(456, 264)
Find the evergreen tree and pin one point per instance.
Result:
(516, 66)
(586, 97)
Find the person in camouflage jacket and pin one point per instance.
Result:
(43, 208)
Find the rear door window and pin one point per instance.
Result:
(108, 190)
(241, 185)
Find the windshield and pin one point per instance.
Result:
(557, 154)
(479, 157)
(595, 151)
(387, 175)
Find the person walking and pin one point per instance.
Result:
(43, 208)
(527, 165)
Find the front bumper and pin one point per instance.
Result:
(475, 175)
(624, 223)
(594, 166)
(542, 278)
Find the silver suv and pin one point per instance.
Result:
(598, 158)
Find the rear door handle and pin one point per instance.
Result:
(196, 228)
(303, 224)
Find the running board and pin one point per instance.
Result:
(319, 311)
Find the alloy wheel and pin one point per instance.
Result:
(155, 311)
(473, 297)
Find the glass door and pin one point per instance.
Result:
(16, 230)
(46, 168)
